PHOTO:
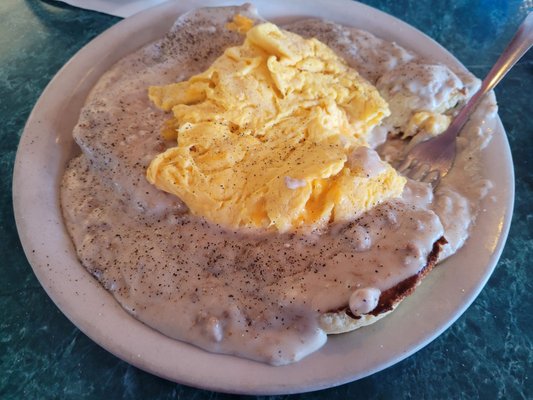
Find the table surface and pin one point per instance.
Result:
(486, 354)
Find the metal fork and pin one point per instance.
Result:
(430, 161)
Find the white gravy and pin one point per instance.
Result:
(253, 294)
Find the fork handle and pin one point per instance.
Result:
(519, 45)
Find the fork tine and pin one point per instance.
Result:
(433, 178)
(414, 169)
(407, 164)
(419, 171)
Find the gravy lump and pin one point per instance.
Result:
(254, 294)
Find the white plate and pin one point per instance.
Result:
(47, 145)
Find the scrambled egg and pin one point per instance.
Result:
(428, 123)
(266, 136)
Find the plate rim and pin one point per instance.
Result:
(126, 354)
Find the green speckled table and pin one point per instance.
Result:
(486, 354)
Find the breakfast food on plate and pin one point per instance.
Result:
(236, 187)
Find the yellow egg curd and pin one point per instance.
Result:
(266, 136)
